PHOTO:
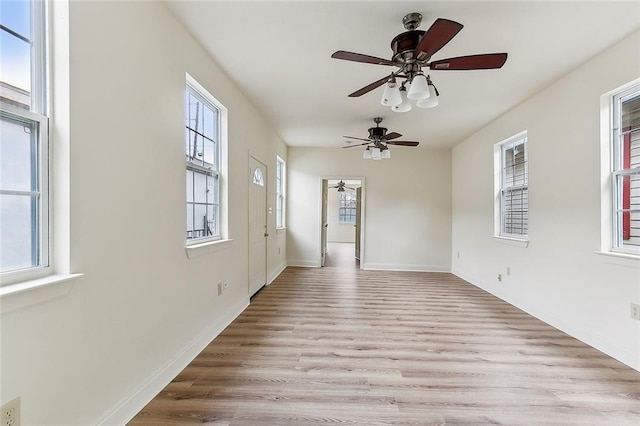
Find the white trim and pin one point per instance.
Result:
(280, 269)
(610, 237)
(135, 401)
(620, 259)
(304, 263)
(405, 267)
(195, 250)
(33, 292)
(363, 198)
(498, 166)
(517, 242)
(223, 156)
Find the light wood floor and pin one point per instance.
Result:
(342, 346)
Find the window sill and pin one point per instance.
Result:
(28, 293)
(196, 250)
(281, 230)
(516, 242)
(622, 259)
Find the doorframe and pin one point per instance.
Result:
(362, 180)
(266, 213)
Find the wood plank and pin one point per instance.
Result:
(347, 346)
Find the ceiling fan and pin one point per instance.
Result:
(378, 141)
(412, 50)
(341, 186)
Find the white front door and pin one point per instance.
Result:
(257, 225)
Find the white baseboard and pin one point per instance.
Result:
(272, 276)
(304, 263)
(405, 268)
(135, 401)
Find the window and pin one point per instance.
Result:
(24, 140)
(203, 154)
(347, 207)
(513, 187)
(625, 174)
(280, 174)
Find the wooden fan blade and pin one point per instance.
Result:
(439, 34)
(403, 143)
(389, 136)
(370, 87)
(359, 57)
(360, 139)
(359, 144)
(485, 61)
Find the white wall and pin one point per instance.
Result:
(558, 278)
(407, 202)
(143, 308)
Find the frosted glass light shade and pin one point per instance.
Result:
(375, 154)
(386, 153)
(405, 105)
(419, 88)
(391, 96)
(431, 101)
(367, 154)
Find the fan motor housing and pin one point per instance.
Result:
(376, 133)
(404, 45)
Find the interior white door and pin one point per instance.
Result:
(257, 226)
(324, 224)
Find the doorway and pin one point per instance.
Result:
(342, 220)
(257, 225)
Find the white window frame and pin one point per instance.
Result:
(616, 169)
(36, 118)
(501, 190)
(280, 192)
(219, 172)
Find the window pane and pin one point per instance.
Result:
(212, 189)
(209, 154)
(15, 50)
(189, 186)
(18, 153)
(200, 187)
(200, 212)
(515, 216)
(257, 177)
(18, 227)
(190, 221)
(209, 124)
(211, 216)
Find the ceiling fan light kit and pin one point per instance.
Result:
(412, 50)
(391, 96)
(405, 105)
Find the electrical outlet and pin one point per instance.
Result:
(635, 311)
(500, 277)
(219, 288)
(508, 271)
(11, 413)
(225, 285)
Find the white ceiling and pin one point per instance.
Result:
(278, 53)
